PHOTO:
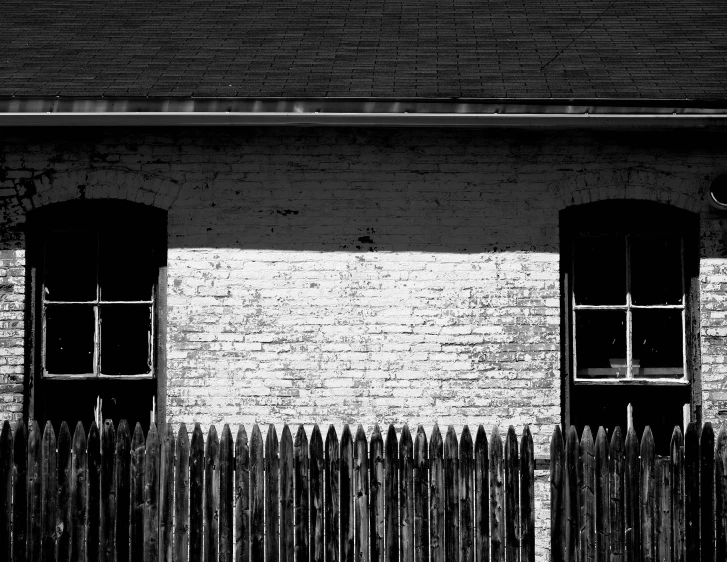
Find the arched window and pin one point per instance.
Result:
(98, 274)
(629, 271)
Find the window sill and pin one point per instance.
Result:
(651, 381)
(50, 377)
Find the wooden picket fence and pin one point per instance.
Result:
(117, 496)
(618, 502)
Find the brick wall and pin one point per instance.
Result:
(335, 275)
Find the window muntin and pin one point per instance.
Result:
(628, 307)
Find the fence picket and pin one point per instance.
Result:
(227, 484)
(632, 513)
(257, 496)
(451, 496)
(512, 497)
(346, 491)
(48, 490)
(332, 495)
(361, 491)
(436, 497)
(676, 465)
(616, 491)
(648, 487)
(421, 494)
(272, 496)
(301, 468)
(6, 491)
(242, 496)
(196, 494)
(166, 494)
(391, 487)
(557, 505)
(93, 520)
(122, 479)
(603, 525)
(406, 496)
(20, 491)
(662, 511)
(181, 497)
(587, 497)
(721, 494)
(527, 496)
(107, 526)
(315, 464)
(136, 525)
(497, 498)
(287, 496)
(211, 495)
(376, 491)
(151, 495)
(78, 478)
(706, 480)
(466, 496)
(33, 549)
(691, 492)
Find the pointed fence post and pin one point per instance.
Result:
(391, 486)
(406, 495)
(48, 491)
(93, 521)
(257, 496)
(20, 492)
(648, 499)
(211, 531)
(332, 495)
(466, 496)
(33, 548)
(272, 496)
(301, 468)
(482, 496)
(421, 494)
(603, 523)
(242, 496)
(317, 507)
(706, 480)
(181, 496)
(512, 497)
(676, 465)
(122, 479)
(497, 497)
(557, 499)
(377, 525)
(436, 496)
(79, 475)
(227, 486)
(361, 492)
(287, 496)
(616, 465)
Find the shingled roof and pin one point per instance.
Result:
(514, 49)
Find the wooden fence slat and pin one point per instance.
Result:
(466, 496)
(272, 496)
(721, 494)
(227, 484)
(107, 525)
(421, 494)
(332, 495)
(632, 537)
(301, 468)
(527, 496)
(587, 497)
(33, 548)
(211, 495)
(706, 480)
(257, 496)
(196, 494)
(662, 510)
(287, 497)
(122, 478)
(616, 491)
(451, 495)
(482, 496)
(93, 520)
(166, 494)
(181, 497)
(691, 492)
(48, 491)
(497, 498)
(648, 489)
(136, 525)
(436, 496)
(391, 487)
(79, 474)
(346, 491)
(242, 496)
(603, 524)
(676, 465)
(376, 491)
(361, 491)
(571, 495)
(6, 490)
(406, 495)
(512, 497)
(20, 491)
(557, 504)
(151, 495)
(316, 463)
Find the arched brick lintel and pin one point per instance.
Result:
(128, 185)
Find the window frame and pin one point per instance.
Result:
(94, 216)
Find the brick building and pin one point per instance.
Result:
(362, 212)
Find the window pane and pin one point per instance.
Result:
(600, 343)
(658, 342)
(600, 270)
(127, 272)
(70, 266)
(125, 339)
(656, 270)
(69, 335)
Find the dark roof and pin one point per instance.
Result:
(640, 49)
